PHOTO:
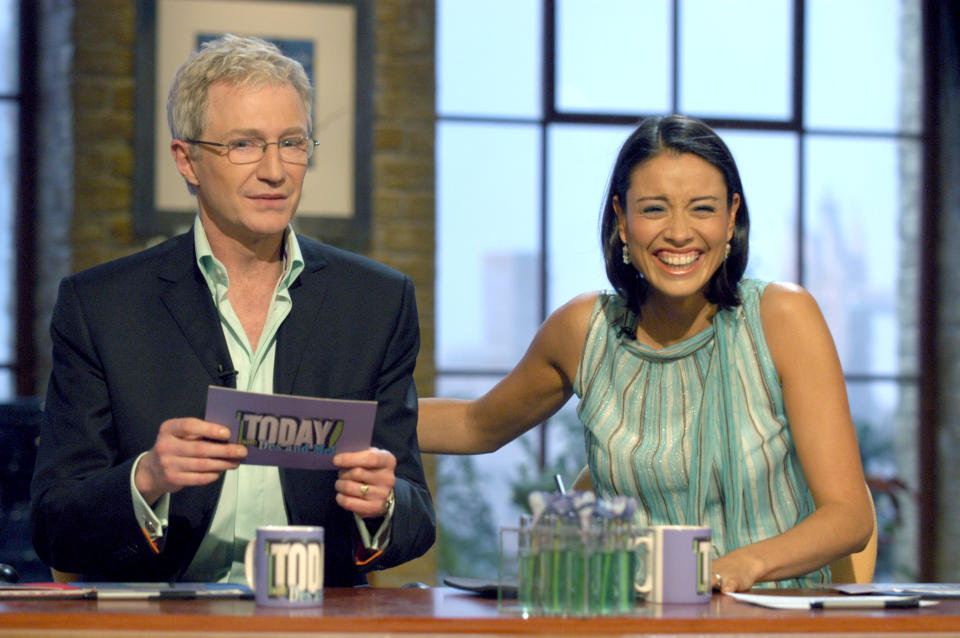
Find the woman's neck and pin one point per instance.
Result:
(665, 321)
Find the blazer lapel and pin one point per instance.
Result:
(187, 297)
(300, 326)
(185, 294)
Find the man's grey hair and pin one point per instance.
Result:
(238, 61)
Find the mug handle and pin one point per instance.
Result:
(646, 586)
(704, 562)
(248, 563)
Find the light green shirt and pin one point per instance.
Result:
(220, 555)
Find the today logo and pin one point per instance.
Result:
(288, 431)
(295, 570)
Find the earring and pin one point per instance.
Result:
(727, 253)
(626, 255)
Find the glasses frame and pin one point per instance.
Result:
(263, 144)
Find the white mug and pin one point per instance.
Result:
(677, 564)
(284, 566)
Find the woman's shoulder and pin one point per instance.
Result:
(584, 309)
(771, 295)
(585, 300)
(562, 336)
(785, 298)
(575, 314)
(787, 310)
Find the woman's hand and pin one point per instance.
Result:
(736, 571)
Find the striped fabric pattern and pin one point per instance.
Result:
(696, 431)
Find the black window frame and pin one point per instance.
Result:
(921, 379)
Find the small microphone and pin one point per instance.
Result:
(225, 375)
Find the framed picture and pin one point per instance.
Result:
(333, 41)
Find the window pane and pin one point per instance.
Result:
(580, 161)
(735, 58)
(861, 58)
(614, 56)
(488, 57)
(883, 416)
(475, 494)
(488, 243)
(854, 240)
(8, 268)
(7, 387)
(768, 171)
(9, 47)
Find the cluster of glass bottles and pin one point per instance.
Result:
(578, 555)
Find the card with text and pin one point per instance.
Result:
(292, 431)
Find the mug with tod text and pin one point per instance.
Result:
(284, 566)
(677, 566)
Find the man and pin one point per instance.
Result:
(130, 483)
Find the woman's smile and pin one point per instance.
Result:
(676, 222)
(679, 263)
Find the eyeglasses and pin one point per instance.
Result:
(293, 150)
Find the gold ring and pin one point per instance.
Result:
(363, 490)
(719, 580)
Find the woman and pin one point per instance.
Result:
(712, 399)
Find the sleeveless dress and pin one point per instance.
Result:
(697, 432)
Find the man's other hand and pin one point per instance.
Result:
(365, 481)
(188, 451)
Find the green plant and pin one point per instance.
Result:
(464, 547)
(468, 541)
(565, 448)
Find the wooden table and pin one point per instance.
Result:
(445, 612)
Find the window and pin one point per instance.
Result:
(9, 168)
(820, 103)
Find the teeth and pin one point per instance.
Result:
(673, 259)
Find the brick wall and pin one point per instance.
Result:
(402, 219)
(103, 98)
(403, 187)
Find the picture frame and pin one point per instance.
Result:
(331, 38)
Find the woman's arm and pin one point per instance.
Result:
(815, 399)
(534, 390)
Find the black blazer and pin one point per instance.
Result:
(138, 340)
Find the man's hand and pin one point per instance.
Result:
(365, 481)
(188, 451)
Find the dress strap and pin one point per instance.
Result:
(716, 441)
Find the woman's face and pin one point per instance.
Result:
(676, 222)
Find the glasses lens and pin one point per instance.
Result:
(295, 149)
(245, 151)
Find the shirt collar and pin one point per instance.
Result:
(214, 273)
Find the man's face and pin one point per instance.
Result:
(246, 202)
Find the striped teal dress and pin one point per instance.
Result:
(697, 431)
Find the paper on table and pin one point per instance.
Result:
(43, 590)
(931, 590)
(774, 601)
(125, 591)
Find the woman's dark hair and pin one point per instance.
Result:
(678, 134)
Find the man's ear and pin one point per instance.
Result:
(184, 161)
